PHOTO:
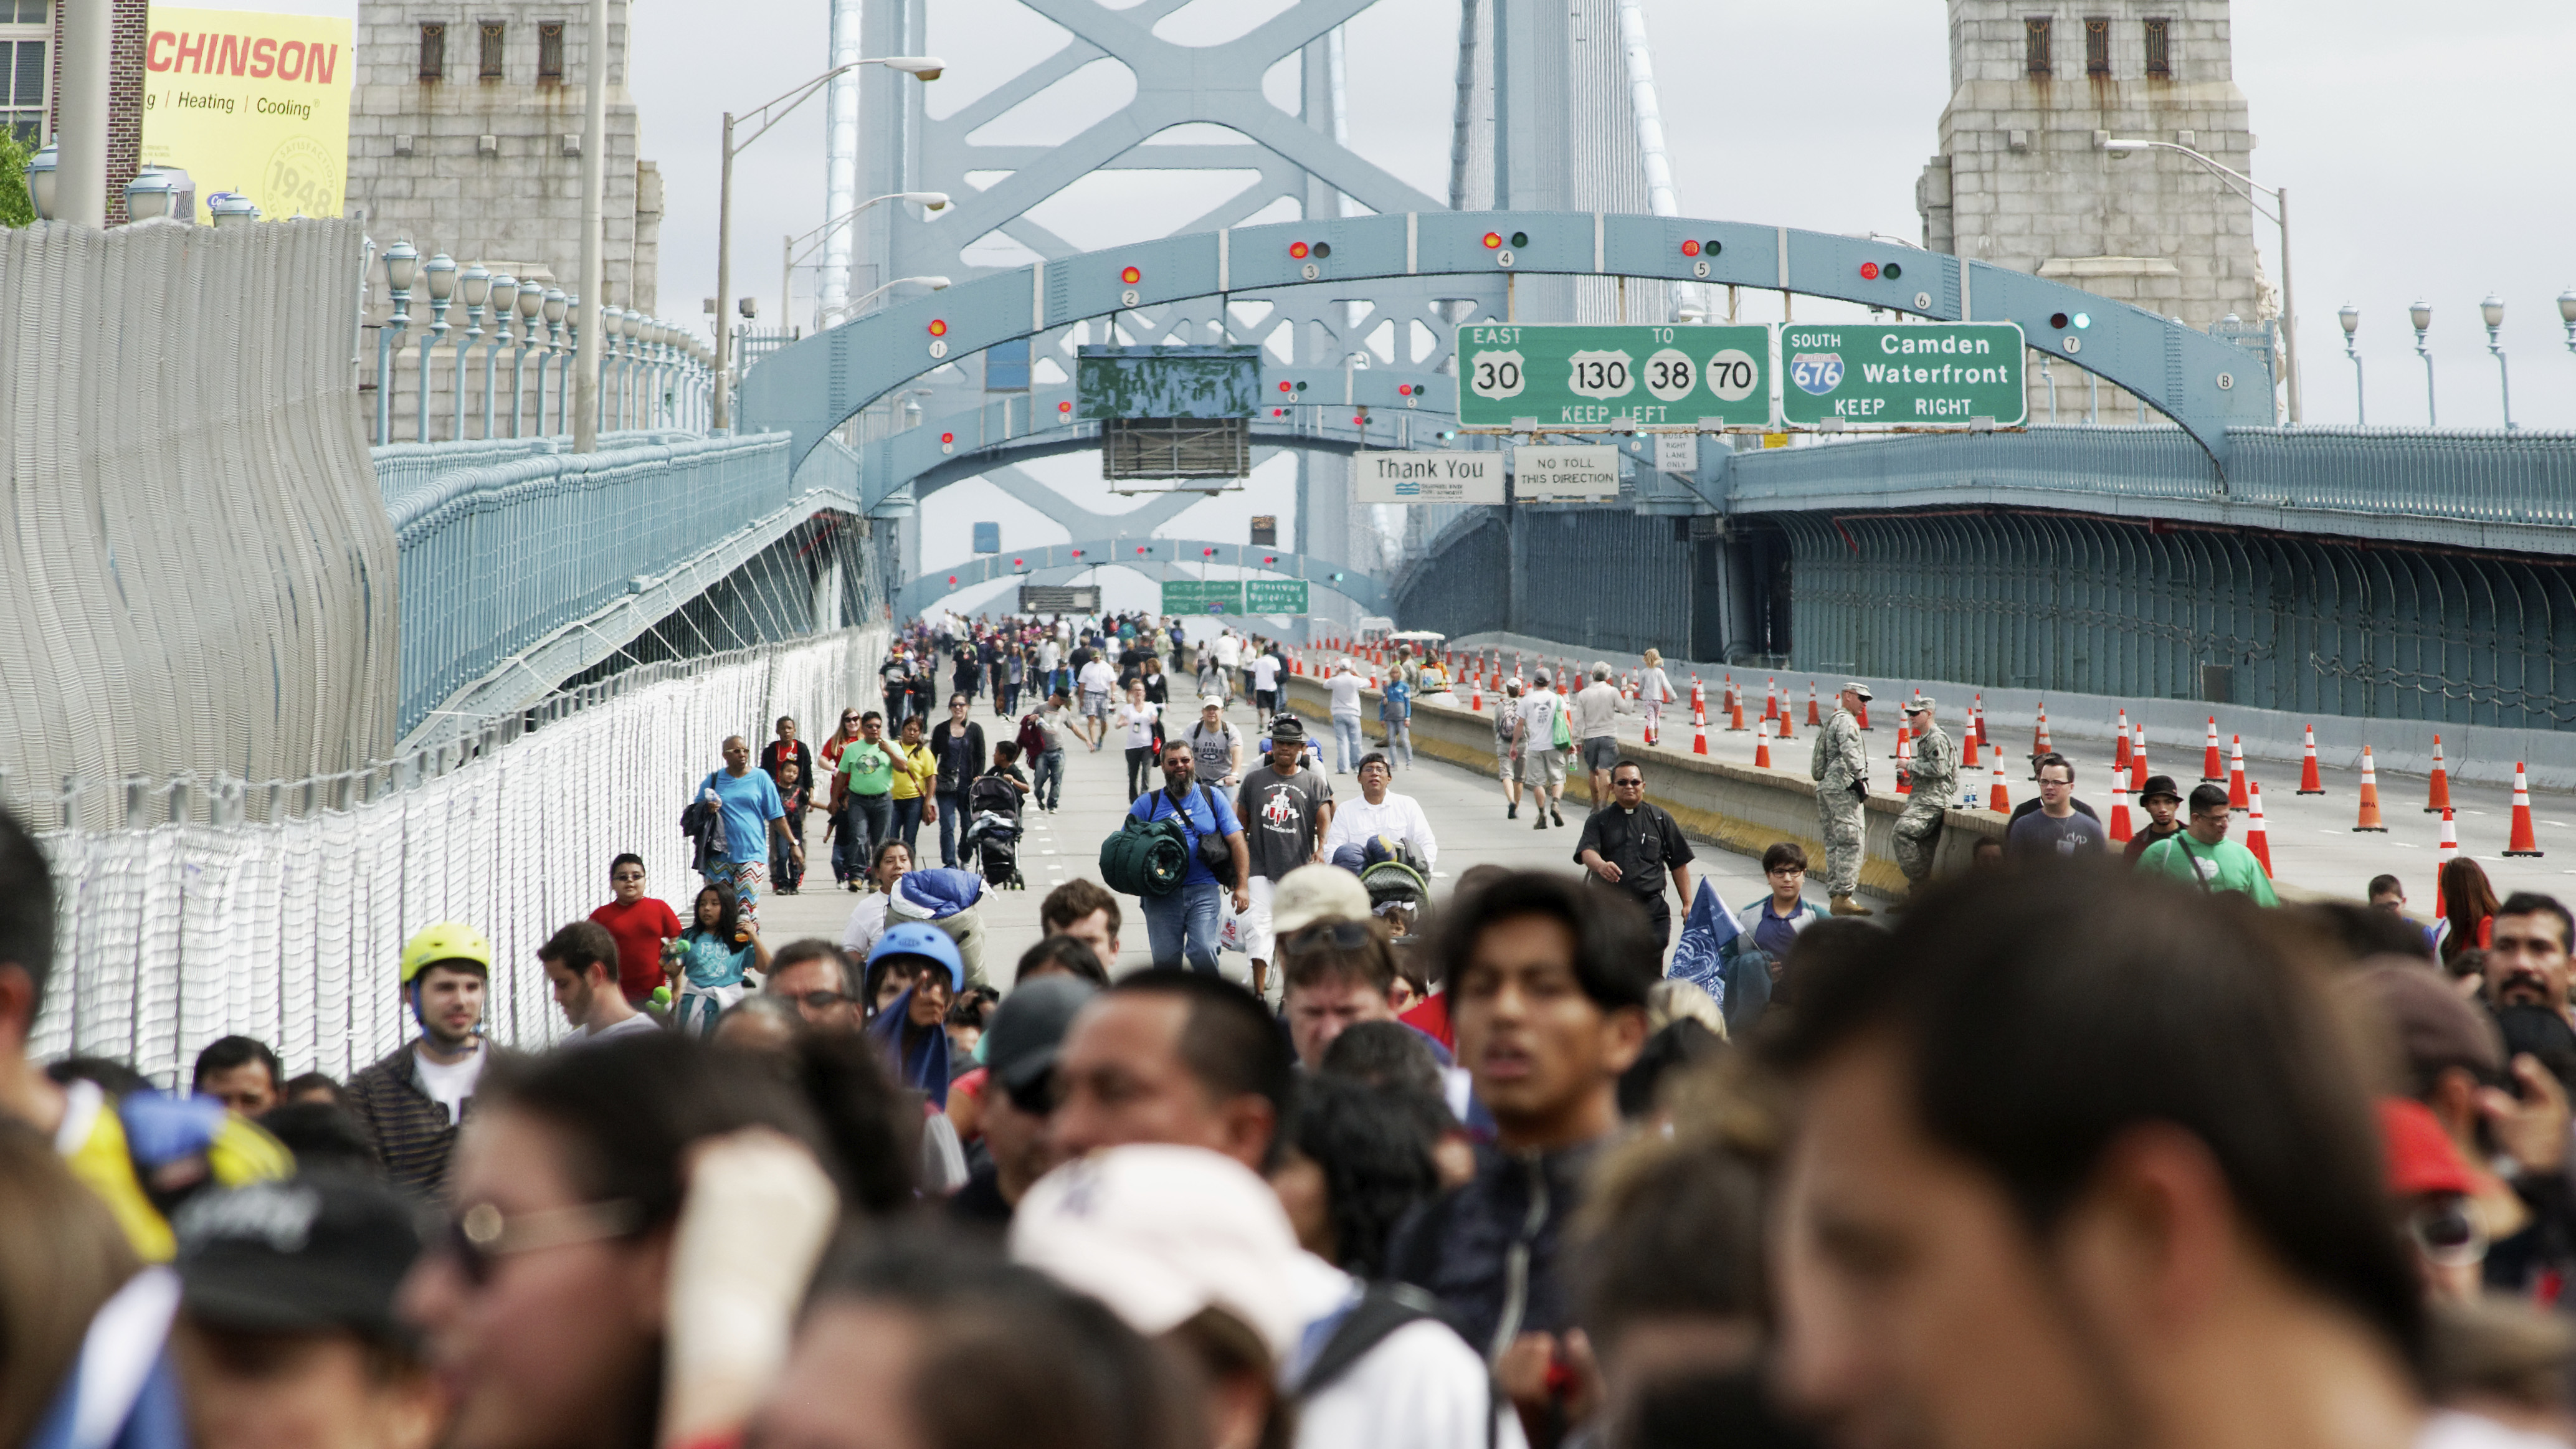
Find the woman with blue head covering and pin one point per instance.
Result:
(912, 1028)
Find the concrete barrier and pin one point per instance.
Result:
(1734, 806)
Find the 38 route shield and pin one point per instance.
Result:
(1570, 376)
(1937, 374)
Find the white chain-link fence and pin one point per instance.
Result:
(290, 928)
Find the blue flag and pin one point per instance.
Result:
(1699, 957)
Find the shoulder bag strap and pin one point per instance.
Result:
(2182, 842)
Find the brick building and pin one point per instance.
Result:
(2020, 181)
(465, 136)
(31, 61)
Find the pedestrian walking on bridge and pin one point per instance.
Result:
(1934, 781)
(1841, 772)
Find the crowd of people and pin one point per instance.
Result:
(2061, 1152)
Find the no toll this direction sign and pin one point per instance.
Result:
(1571, 376)
(1938, 374)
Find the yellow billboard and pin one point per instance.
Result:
(252, 103)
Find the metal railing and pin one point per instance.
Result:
(503, 551)
(2525, 479)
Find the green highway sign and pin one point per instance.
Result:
(1931, 374)
(1274, 596)
(1203, 596)
(1574, 376)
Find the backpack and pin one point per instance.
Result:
(1559, 734)
(1383, 1308)
(1032, 738)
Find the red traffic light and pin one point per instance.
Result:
(948, 437)
(1869, 271)
(1015, 563)
(938, 326)
(1131, 276)
(952, 579)
(1297, 250)
(1140, 548)
(1493, 240)
(1690, 248)
(1270, 558)
(1404, 389)
(1064, 407)
(1207, 553)
(1286, 386)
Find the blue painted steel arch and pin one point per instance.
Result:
(811, 387)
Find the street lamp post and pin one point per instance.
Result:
(2492, 309)
(441, 272)
(505, 301)
(630, 327)
(532, 302)
(476, 284)
(936, 284)
(2421, 314)
(822, 235)
(924, 67)
(558, 303)
(2350, 316)
(2247, 187)
(402, 265)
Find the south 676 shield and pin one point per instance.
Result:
(1816, 373)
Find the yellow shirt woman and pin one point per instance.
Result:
(914, 770)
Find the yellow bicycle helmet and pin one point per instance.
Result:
(446, 941)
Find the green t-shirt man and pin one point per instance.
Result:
(866, 767)
(2203, 853)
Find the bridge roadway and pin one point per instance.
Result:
(1466, 813)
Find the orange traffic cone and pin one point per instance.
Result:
(1999, 800)
(2310, 783)
(1968, 746)
(1904, 763)
(2443, 855)
(2121, 830)
(1762, 747)
(2138, 758)
(2120, 745)
(2256, 840)
(2236, 774)
(1771, 699)
(2524, 841)
(1738, 713)
(1864, 714)
(1699, 737)
(2369, 796)
(1901, 752)
(1699, 702)
(1979, 715)
(1476, 702)
(2213, 766)
(1813, 717)
(1780, 727)
(2039, 733)
(2438, 798)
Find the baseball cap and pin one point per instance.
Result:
(917, 938)
(1312, 893)
(2421, 1157)
(1211, 701)
(1288, 727)
(313, 1252)
(2160, 785)
(1027, 1031)
(1854, 686)
(1919, 704)
(1160, 1233)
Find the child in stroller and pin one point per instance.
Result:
(993, 818)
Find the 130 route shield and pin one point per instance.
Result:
(1925, 375)
(1571, 376)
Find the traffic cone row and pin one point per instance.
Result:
(2236, 774)
(2310, 782)
(2039, 733)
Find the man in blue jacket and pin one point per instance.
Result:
(1182, 926)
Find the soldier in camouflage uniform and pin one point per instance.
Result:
(1841, 772)
(1934, 782)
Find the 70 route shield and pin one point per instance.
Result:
(1578, 376)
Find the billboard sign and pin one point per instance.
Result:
(1451, 477)
(1916, 375)
(251, 103)
(1565, 474)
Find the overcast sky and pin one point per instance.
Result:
(2425, 161)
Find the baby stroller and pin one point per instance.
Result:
(993, 831)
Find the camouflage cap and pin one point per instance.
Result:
(1919, 704)
(1856, 687)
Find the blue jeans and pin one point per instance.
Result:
(1047, 785)
(1347, 746)
(871, 818)
(1181, 927)
(952, 823)
(784, 872)
(907, 825)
